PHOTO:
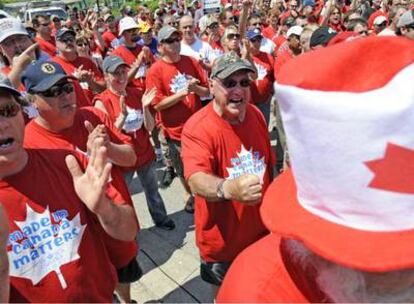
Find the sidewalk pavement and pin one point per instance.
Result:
(169, 259)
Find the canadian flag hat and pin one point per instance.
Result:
(348, 113)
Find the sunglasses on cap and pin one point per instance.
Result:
(58, 89)
(171, 40)
(9, 110)
(231, 83)
(233, 36)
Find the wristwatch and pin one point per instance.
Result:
(220, 190)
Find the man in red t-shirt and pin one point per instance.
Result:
(61, 126)
(90, 79)
(111, 32)
(262, 87)
(4, 262)
(57, 215)
(41, 23)
(180, 82)
(228, 165)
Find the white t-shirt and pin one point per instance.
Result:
(267, 46)
(198, 50)
(387, 32)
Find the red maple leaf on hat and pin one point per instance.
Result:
(395, 171)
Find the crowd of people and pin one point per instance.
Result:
(89, 102)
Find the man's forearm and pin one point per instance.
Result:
(122, 155)
(170, 101)
(119, 221)
(204, 185)
(201, 91)
(97, 86)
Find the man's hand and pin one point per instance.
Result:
(192, 84)
(84, 75)
(26, 57)
(98, 132)
(148, 97)
(4, 263)
(91, 185)
(246, 188)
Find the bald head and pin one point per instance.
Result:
(187, 28)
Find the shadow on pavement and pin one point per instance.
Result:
(193, 291)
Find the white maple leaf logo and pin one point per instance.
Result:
(42, 245)
(179, 83)
(261, 71)
(247, 162)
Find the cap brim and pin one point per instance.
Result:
(66, 32)
(224, 74)
(10, 89)
(127, 29)
(45, 84)
(113, 67)
(370, 251)
(11, 33)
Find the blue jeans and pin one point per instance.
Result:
(147, 177)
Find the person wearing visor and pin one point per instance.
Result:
(73, 203)
(228, 164)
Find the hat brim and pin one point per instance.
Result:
(127, 29)
(365, 250)
(113, 67)
(47, 83)
(11, 33)
(227, 73)
(10, 89)
(65, 33)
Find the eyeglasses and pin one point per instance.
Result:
(172, 40)
(58, 90)
(213, 25)
(231, 83)
(67, 39)
(9, 110)
(82, 44)
(256, 39)
(233, 36)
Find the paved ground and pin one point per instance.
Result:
(169, 259)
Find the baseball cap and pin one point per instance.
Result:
(165, 32)
(62, 31)
(127, 23)
(379, 20)
(11, 26)
(5, 85)
(322, 36)
(144, 27)
(308, 3)
(294, 30)
(251, 34)
(406, 19)
(111, 63)
(39, 76)
(355, 208)
(228, 64)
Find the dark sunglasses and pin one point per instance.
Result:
(233, 36)
(213, 25)
(68, 39)
(9, 110)
(58, 90)
(172, 40)
(256, 39)
(231, 83)
(81, 44)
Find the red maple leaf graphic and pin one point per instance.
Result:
(395, 171)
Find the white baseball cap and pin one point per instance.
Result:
(127, 23)
(10, 27)
(294, 30)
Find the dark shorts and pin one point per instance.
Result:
(175, 151)
(130, 273)
(213, 272)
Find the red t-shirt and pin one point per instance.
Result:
(259, 275)
(75, 139)
(87, 64)
(129, 56)
(212, 145)
(269, 32)
(281, 59)
(108, 37)
(47, 46)
(55, 248)
(262, 87)
(140, 137)
(170, 78)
